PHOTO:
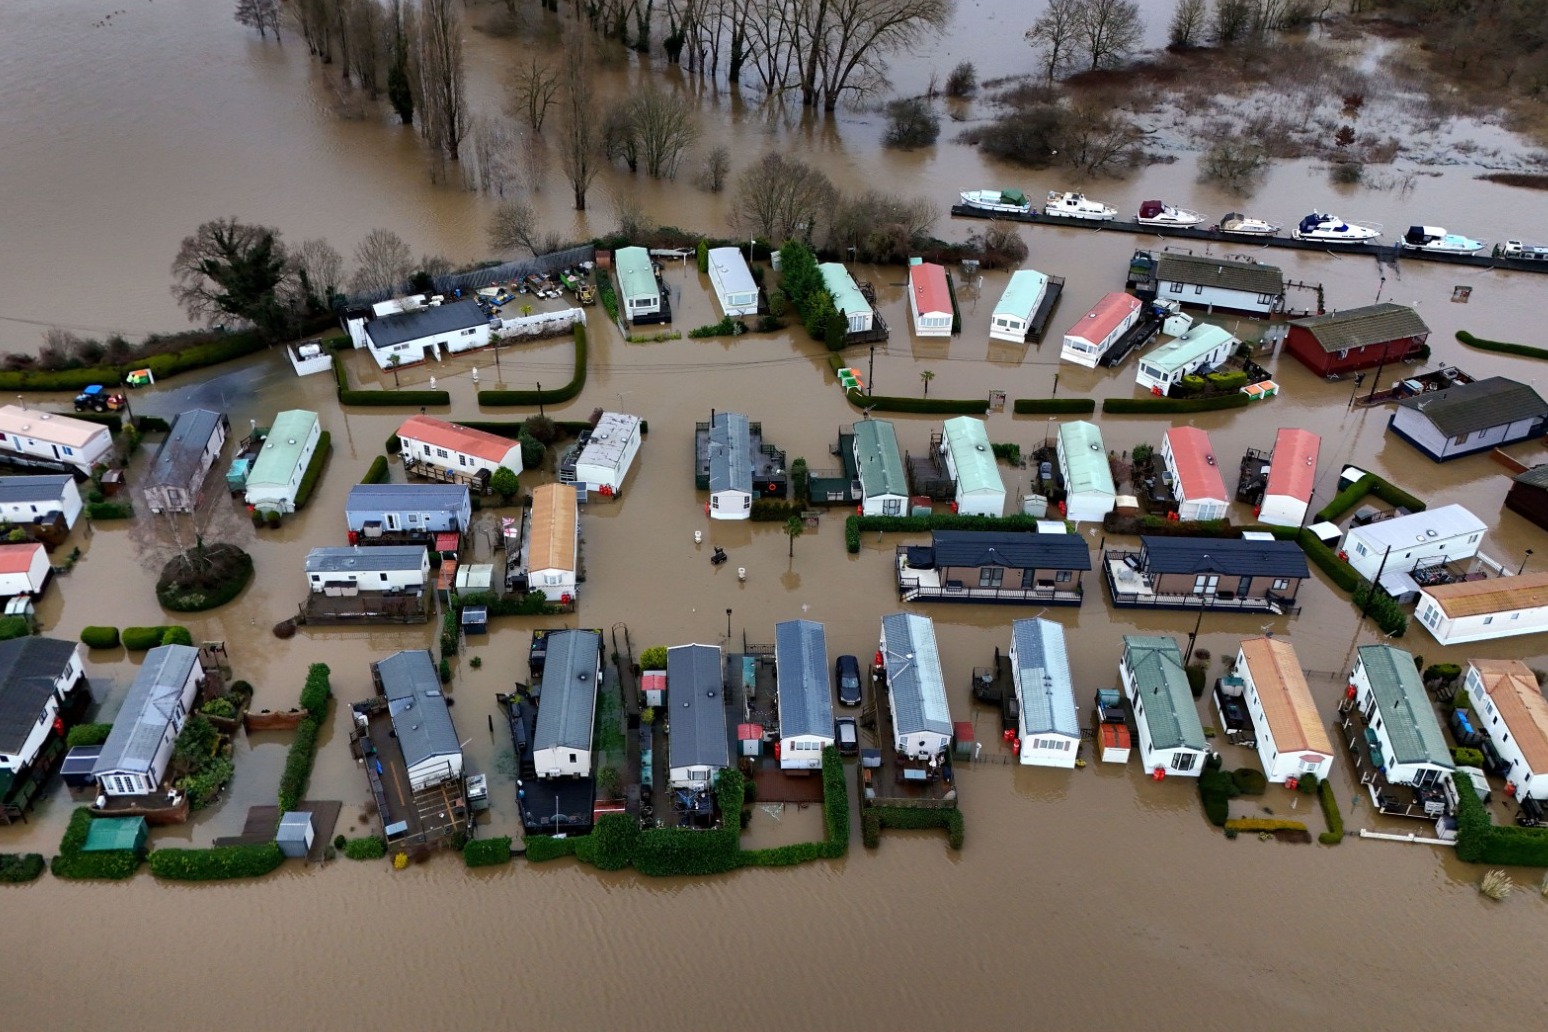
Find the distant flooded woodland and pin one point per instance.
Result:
(1092, 898)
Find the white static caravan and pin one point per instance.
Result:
(276, 474)
(1396, 546)
(135, 755)
(350, 569)
(847, 297)
(1196, 480)
(562, 740)
(1099, 329)
(421, 720)
(971, 464)
(730, 467)
(698, 747)
(637, 281)
(1203, 347)
(805, 698)
(24, 569)
(175, 480)
(1393, 701)
(458, 448)
(604, 460)
(32, 438)
(1292, 478)
(1040, 668)
(1509, 706)
(1012, 318)
(1090, 493)
(1292, 740)
(1171, 738)
(879, 465)
(733, 281)
(1500, 607)
(35, 498)
(553, 541)
(916, 688)
(929, 299)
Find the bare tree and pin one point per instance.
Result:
(620, 138)
(1187, 26)
(717, 165)
(1110, 30)
(578, 120)
(495, 150)
(880, 227)
(531, 90)
(780, 199)
(320, 270)
(1230, 22)
(665, 127)
(514, 224)
(855, 36)
(382, 262)
(1096, 141)
(1056, 33)
(370, 40)
(262, 15)
(1236, 162)
(629, 213)
(438, 39)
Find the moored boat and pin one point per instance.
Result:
(1159, 213)
(1012, 202)
(1330, 229)
(1246, 225)
(1521, 252)
(1069, 205)
(1436, 240)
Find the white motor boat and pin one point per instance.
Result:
(1159, 213)
(1012, 202)
(1330, 229)
(1521, 252)
(1246, 225)
(1437, 241)
(1077, 206)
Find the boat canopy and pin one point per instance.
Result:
(1150, 209)
(1327, 223)
(1420, 234)
(1013, 197)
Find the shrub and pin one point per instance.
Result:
(1463, 756)
(377, 473)
(138, 639)
(204, 783)
(1234, 380)
(1335, 833)
(1524, 350)
(702, 253)
(177, 635)
(911, 123)
(444, 671)
(16, 868)
(112, 864)
(654, 658)
(1216, 788)
(1307, 784)
(542, 848)
(1382, 608)
(1249, 781)
(369, 847)
(1240, 824)
(727, 327)
(99, 637)
(577, 381)
(613, 843)
(393, 444)
(1196, 674)
(14, 627)
(835, 804)
(962, 81)
(109, 510)
(217, 863)
(203, 578)
(870, 829)
(88, 734)
(221, 707)
(1165, 406)
(773, 510)
(317, 690)
(1052, 406)
(487, 852)
(314, 470)
(1350, 496)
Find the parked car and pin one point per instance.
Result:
(850, 689)
(848, 734)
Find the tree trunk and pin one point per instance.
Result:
(809, 80)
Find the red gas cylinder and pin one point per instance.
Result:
(878, 658)
(1351, 692)
(1016, 745)
(1158, 774)
(1292, 783)
(354, 536)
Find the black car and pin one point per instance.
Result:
(847, 671)
(847, 734)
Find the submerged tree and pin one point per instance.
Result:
(382, 262)
(262, 15)
(779, 198)
(578, 121)
(230, 268)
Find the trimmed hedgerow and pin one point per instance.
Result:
(490, 852)
(377, 473)
(109, 864)
(1338, 571)
(314, 470)
(1335, 833)
(218, 863)
(1216, 788)
(17, 868)
(854, 526)
(835, 804)
(382, 398)
(1263, 824)
(1382, 488)
(99, 637)
(1500, 346)
(317, 689)
(542, 848)
(14, 626)
(87, 734)
(138, 639)
(1051, 406)
(883, 817)
(1481, 841)
(549, 397)
(1169, 406)
(369, 847)
(109, 510)
(303, 750)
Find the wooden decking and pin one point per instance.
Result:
(431, 817)
(365, 607)
(899, 782)
(263, 821)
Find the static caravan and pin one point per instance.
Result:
(567, 714)
(929, 300)
(1196, 480)
(24, 569)
(1099, 329)
(699, 744)
(879, 466)
(1291, 479)
(421, 720)
(1292, 740)
(805, 698)
(916, 688)
(606, 452)
(847, 297)
(1200, 349)
(396, 512)
(134, 757)
(1171, 738)
(175, 480)
(29, 437)
(1394, 547)
(553, 541)
(1090, 493)
(637, 280)
(1470, 417)
(39, 498)
(1510, 708)
(350, 569)
(1481, 610)
(971, 464)
(1012, 318)
(1040, 668)
(38, 676)
(730, 467)
(414, 334)
(734, 285)
(276, 475)
(458, 449)
(1409, 748)
(1213, 282)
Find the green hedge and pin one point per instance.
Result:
(87, 734)
(542, 848)
(1481, 841)
(314, 470)
(218, 863)
(1162, 406)
(905, 817)
(1524, 350)
(369, 847)
(109, 510)
(152, 425)
(490, 852)
(1463, 756)
(377, 474)
(1052, 406)
(196, 356)
(99, 637)
(303, 750)
(114, 421)
(1382, 488)
(835, 804)
(854, 526)
(577, 383)
(59, 380)
(941, 406)
(381, 398)
(317, 689)
(1338, 571)
(1216, 787)
(111, 864)
(1381, 607)
(1335, 833)
(16, 868)
(14, 627)
(1249, 781)
(138, 639)
(773, 510)
(533, 603)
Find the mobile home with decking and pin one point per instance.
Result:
(1292, 478)
(929, 300)
(916, 688)
(1171, 738)
(275, 477)
(175, 480)
(1017, 307)
(971, 465)
(567, 714)
(641, 291)
(605, 454)
(1210, 282)
(1292, 738)
(1510, 708)
(805, 697)
(879, 467)
(730, 467)
(1203, 347)
(1394, 547)
(1090, 493)
(698, 742)
(1049, 726)
(421, 719)
(735, 288)
(847, 297)
(1099, 329)
(1196, 480)
(35, 499)
(350, 569)
(553, 541)
(457, 450)
(400, 512)
(1482, 610)
(134, 758)
(42, 683)
(1409, 746)
(29, 437)
(1470, 417)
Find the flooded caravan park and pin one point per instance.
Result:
(1081, 897)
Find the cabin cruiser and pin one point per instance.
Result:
(1246, 225)
(1010, 202)
(1077, 206)
(1437, 241)
(1521, 252)
(1331, 229)
(1159, 213)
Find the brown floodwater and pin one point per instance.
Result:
(1084, 897)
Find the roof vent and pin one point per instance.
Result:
(1209, 459)
(292, 440)
(710, 694)
(979, 447)
(1432, 532)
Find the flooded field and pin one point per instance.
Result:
(1081, 897)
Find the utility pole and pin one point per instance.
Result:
(1358, 380)
(1366, 608)
(870, 373)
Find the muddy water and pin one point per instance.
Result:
(1107, 887)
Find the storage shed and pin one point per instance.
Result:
(971, 464)
(1048, 725)
(1012, 318)
(567, 712)
(654, 684)
(805, 698)
(79, 763)
(916, 688)
(175, 480)
(929, 299)
(295, 834)
(24, 569)
(847, 297)
(735, 288)
(1090, 493)
(106, 834)
(637, 281)
(276, 475)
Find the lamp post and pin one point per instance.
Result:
(728, 625)
(1524, 562)
(540, 398)
(1358, 380)
(870, 374)
(1193, 635)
